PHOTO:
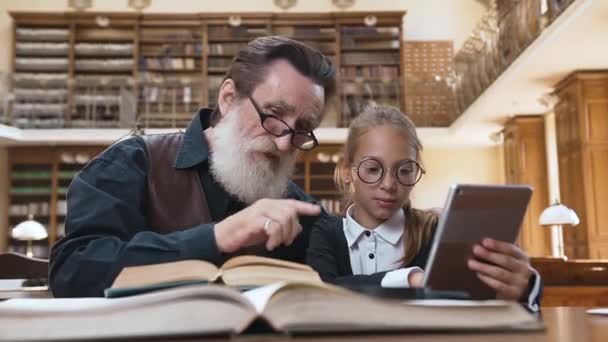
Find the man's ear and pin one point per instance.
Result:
(227, 96)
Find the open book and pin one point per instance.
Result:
(241, 271)
(203, 310)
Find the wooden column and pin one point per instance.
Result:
(526, 163)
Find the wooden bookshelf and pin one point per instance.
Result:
(116, 69)
(39, 177)
(315, 170)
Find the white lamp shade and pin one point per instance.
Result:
(558, 214)
(29, 230)
(575, 219)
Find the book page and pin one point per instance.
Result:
(185, 270)
(259, 275)
(258, 260)
(260, 296)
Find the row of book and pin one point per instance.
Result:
(368, 30)
(40, 95)
(225, 48)
(219, 62)
(102, 99)
(298, 31)
(170, 95)
(33, 65)
(376, 71)
(172, 34)
(352, 42)
(33, 208)
(42, 123)
(81, 49)
(371, 58)
(237, 32)
(119, 64)
(43, 172)
(166, 63)
(41, 64)
(42, 34)
(173, 49)
(372, 88)
(39, 109)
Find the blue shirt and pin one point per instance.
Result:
(106, 220)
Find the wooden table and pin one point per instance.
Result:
(563, 324)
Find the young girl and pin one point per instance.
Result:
(381, 231)
(384, 240)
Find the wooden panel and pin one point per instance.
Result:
(597, 121)
(575, 296)
(575, 199)
(525, 163)
(599, 197)
(595, 90)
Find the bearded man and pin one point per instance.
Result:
(220, 189)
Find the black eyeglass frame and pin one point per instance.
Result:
(387, 170)
(288, 130)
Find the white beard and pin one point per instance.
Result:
(244, 178)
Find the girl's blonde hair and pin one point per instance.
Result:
(418, 229)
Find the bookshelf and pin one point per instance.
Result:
(315, 174)
(108, 70)
(370, 67)
(40, 68)
(39, 177)
(170, 70)
(102, 61)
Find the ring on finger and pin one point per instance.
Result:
(267, 224)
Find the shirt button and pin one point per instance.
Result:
(368, 233)
(371, 255)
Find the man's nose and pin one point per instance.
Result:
(283, 143)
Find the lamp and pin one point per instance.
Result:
(28, 231)
(555, 216)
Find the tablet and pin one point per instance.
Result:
(473, 212)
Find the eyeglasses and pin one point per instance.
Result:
(279, 128)
(371, 171)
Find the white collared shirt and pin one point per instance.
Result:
(379, 249)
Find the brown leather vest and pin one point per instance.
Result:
(176, 199)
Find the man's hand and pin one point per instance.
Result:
(508, 269)
(273, 221)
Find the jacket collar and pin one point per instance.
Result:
(195, 148)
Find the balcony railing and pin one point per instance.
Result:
(508, 28)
